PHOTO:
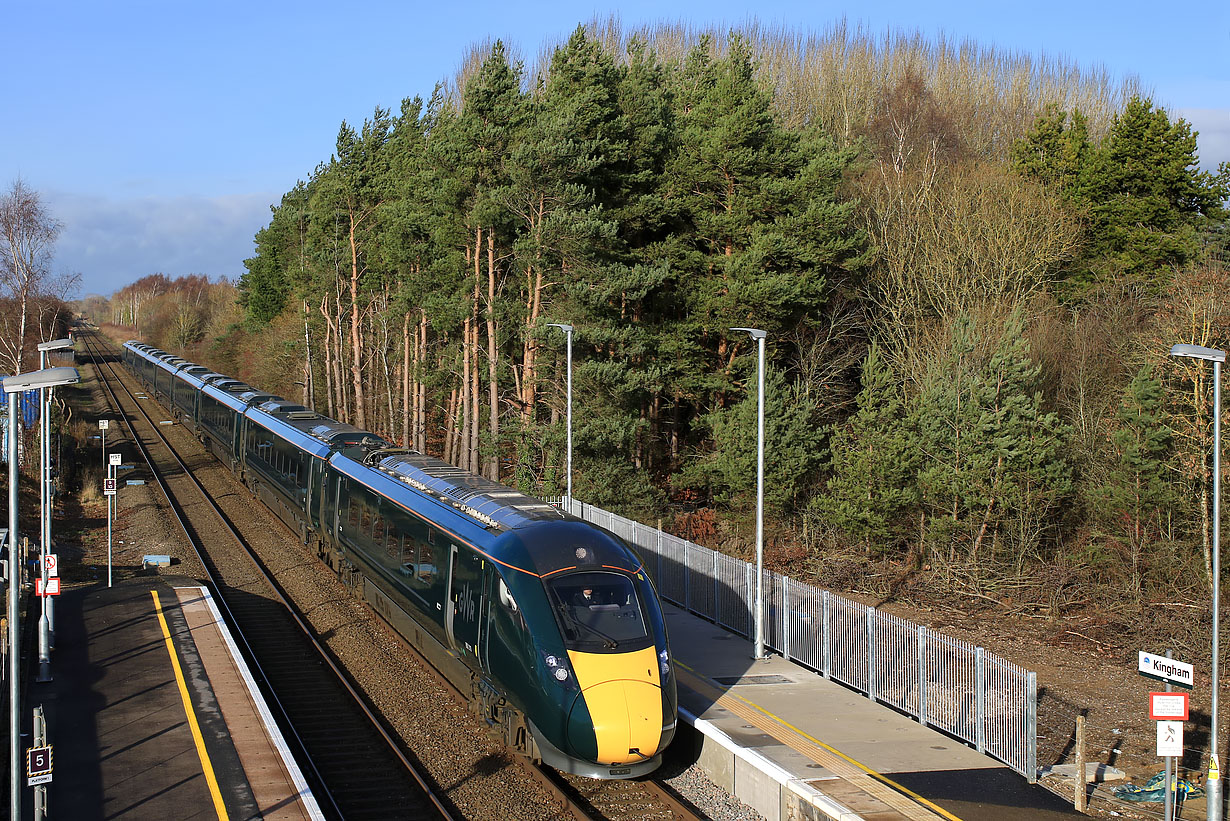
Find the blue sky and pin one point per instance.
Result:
(160, 133)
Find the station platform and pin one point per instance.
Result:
(793, 745)
(152, 713)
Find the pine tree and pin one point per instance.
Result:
(793, 443)
(874, 464)
(994, 461)
(1137, 489)
(1146, 203)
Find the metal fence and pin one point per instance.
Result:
(942, 681)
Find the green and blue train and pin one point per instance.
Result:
(549, 624)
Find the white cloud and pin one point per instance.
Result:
(112, 242)
(1214, 138)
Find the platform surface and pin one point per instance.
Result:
(866, 758)
(152, 713)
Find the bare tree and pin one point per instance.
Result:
(27, 237)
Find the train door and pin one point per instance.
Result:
(465, 601)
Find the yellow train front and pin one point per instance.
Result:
(600, 699)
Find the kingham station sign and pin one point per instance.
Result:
(1164, 669)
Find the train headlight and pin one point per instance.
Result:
(557, 668)
(664, 661)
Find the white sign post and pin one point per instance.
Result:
(103, 424)
(1169, 710)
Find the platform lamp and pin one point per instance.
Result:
(46, 622)
(1213, 784)
(13, 387)
(567, 329)
(759, 336)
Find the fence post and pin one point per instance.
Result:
(871, 653)
(749, 597)
(922, 675)
(659, 552)
(1031, 727)
(1081, 787)
(785, 588)
(687, 577)
(980, 700)
(717, 608)
(826, 656)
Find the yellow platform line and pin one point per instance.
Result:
(206, 765)
(870, 781)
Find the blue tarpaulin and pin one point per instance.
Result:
(29, 406)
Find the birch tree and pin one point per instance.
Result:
(28, 233)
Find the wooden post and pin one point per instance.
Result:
(1080, 764)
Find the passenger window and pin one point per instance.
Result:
(426, 569)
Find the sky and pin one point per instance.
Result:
(159, 134)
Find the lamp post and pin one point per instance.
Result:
(1213, 783)
(46, 622)
(567, 329)
(759, 336)
(13, 387)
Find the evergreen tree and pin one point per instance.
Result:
(1137, 490)
(1147, 204)
(994, 461)
(760, 231)
(266, 284)
(793, 445)
(874, 464)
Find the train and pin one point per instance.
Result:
(548, 624)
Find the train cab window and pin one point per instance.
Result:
(598, 611)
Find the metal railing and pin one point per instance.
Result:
(942, 681)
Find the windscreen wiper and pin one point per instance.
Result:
(607, 641)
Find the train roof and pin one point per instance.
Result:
(495, 505)
(488, 504)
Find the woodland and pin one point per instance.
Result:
(971, 266)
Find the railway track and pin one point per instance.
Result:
(365, 765)
(359, 771)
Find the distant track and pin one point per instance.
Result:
(357, 767)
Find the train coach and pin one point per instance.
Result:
(548, 623)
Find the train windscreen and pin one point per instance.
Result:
(598, 610)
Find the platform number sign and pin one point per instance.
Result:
(38, 765)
